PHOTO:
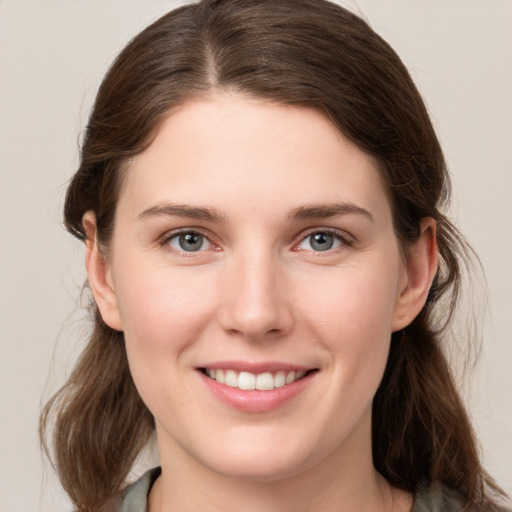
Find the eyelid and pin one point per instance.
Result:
(346, 238)
(173, 233)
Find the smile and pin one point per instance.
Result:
(256, 387)
(250, 381)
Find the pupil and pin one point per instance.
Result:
(191, 242)
(322, 241)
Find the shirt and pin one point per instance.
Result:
(435, 498)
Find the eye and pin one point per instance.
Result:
(189, 241)
(323, 240)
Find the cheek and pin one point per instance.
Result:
(352, 316)
(358, 301)
(163, 313)
(162, 309)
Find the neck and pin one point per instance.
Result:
(344, 481)
(284, 496)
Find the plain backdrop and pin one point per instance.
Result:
(52, 57)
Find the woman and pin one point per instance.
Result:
(260, 196)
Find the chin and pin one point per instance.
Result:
(263, 469)
(270, 458)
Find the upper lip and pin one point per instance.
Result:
(254, 367)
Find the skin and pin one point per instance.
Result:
(258, 291)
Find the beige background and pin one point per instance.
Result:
(52, 56)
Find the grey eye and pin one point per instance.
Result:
(321, 241)
(189, 242)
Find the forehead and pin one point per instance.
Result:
(266, 154)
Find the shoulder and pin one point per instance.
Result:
(439, 498)
(134, 498)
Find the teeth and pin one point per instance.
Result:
(265, 381)
(231, 379)
(290, 377)
(249, 381)
(279, 379)
(246, 381)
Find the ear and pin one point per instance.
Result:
(419, 271)
(100, 275)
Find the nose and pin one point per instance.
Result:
(257, 298)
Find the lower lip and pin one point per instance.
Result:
(255, 400)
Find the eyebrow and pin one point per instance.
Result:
(182, 210)
(324, 211)
(306, 212)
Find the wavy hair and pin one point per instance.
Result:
(309, 53)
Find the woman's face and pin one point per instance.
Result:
(255, 243)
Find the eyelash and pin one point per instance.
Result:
(344, 238)
(166, 239)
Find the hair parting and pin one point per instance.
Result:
(308, 53)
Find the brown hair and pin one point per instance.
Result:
(308, 53)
